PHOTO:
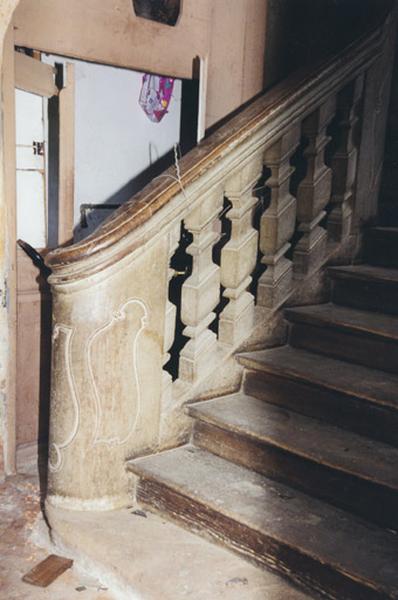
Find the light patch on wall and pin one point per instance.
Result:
(115, 142)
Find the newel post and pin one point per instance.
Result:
(108, 351)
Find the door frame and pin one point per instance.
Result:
(28, 73)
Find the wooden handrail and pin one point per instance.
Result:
(297, 94)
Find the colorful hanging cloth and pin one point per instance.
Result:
(155, 96)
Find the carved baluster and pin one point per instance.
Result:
(278, 223)
(170, 318)
(239, 255)
(201, 291)
(344, 162)
(314, 191)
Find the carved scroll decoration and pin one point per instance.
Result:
(119, 315)
(54, 447)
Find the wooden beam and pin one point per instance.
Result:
(67, 157)
(33, 76)
(82, 30)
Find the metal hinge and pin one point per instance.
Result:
(38, 148)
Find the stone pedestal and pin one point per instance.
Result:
(105, 400)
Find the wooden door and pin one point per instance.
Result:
(33, 354)
(33, 295)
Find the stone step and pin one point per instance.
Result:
(382, 246)
(344, 468)
(366, 287)
(351, 396)
(358, 336)
(140, 555)
(313, 543)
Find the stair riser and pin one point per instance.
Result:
(335, 407)
(366, 499)
(300, 568)
(366, 295)
(363, 349)
(382, 250)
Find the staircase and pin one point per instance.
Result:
(298, 471)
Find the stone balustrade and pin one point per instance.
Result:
(314, 192)
(278, 223)
(239, 255)
(344, 161)
(201, 291)
(115, 322)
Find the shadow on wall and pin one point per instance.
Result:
(300, 30)
(91, 218)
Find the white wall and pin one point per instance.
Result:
(115, 140)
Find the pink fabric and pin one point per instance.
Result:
(155, 96)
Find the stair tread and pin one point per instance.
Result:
(304, 436)
(372, 385)
(329, 535)
(365, 272)
(333, 315)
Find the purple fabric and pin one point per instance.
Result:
(155, 96)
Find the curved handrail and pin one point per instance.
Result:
(263, 111)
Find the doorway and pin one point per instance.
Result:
(42, 221)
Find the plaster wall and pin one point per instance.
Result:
(236, 55)
(110, 33)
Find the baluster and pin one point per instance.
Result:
(201, 291)
(239, 255)
(278, 223)
(344, 161)
(313, 192)
(170, 318)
